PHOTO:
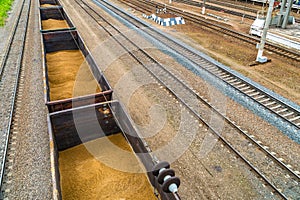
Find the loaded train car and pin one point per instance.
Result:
(257, 27)
(277, 3)
(95, 150)
(260, 1)
(54, 19)
(296, 4)
(72, 78)
(49, 3)
(97, 153)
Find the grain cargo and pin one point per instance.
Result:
(51, 24)
(96, 153)
(84, 176)
(63, 68)
(72, 78)
(54, 19)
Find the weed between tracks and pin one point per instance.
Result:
(5, 6)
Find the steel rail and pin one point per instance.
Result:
(232, 5)
(263, 149)
(10, 40)
(15, 88)
(216, 8)
(235, 126)
(280, 50)
(225, 4)
(196, 114)
(232, 76)
(247, 2)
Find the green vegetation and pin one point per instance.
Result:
(4, 7)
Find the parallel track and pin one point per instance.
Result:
(233, 5)
(218, 8)
(11, 70)
(243, 3)
(184, 94)
(279, 50)
(243, 8)
(273, 104)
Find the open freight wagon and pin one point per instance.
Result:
(91, 136)
(49, 3)
(96, 153)
(54, 19)
(72, 78)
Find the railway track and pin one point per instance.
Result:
(276, 106)
(253, 2)
(230, 6)
(241, 7)
(218, 8)
(279, 50)
(264, 163)
(11, 80)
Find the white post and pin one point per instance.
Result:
(203, 11)
(281, 12)
(203, 8)
(170, 1)
(244, 13)
(287, 13)
(260, 58)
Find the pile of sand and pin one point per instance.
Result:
(47, 5)
(85, 177)
(67, 68)
(52, 24)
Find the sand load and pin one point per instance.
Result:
(54, 18)
(85, 176)
(47, 5)
(51, 24)
(72, 77)
(67, 69)
(49, 2)
(91, 159)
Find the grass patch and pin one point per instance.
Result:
(4, 7)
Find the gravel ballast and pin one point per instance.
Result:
(30, 173)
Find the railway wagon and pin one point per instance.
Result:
(260, 1)
(71, 76)
(49, 3)
(54, 19)
(83, 133)
(296, 4)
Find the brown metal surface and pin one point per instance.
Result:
(78, 125)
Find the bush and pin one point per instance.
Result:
(5, 6)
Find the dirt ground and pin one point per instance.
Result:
(280, 75)
(206, 168)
